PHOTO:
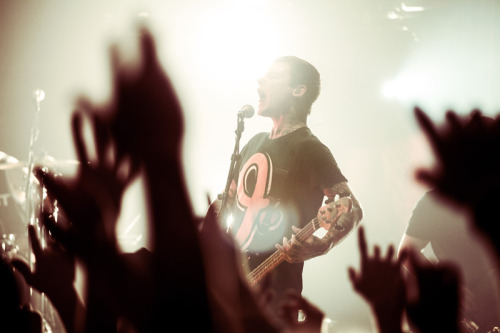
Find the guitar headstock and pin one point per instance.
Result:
(329, 214)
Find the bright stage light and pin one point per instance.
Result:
(229, 221)
(411, 9)
(226, 48)
(236, 41)
(410, 87)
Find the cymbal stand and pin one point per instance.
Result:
(38, 96)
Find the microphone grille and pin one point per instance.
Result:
(247, 111)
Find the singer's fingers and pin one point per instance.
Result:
(286, 245)
(296, 230)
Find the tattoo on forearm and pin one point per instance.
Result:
(347, 222)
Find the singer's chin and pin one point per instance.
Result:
(261, 110)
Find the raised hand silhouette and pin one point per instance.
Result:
(380, 282)
(90, 204)
(15, 314)
(312, 315)
(54, 275)
(468, 164)
(235, 306)
(91, 201)
(436, 306)
(145, 123)
(138, 133)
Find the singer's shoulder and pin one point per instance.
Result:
(258, 138)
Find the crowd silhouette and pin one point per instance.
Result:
(191, 280)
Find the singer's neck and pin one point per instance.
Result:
(285, 124)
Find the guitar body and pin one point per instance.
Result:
(327, 220)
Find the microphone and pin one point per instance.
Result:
(246, 111)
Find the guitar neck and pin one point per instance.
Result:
(277, 257)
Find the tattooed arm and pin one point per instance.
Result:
(347, 222)
(296, 251)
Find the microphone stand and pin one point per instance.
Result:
(235, 157)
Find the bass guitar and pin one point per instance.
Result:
(341, 207)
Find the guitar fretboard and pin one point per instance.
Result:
(277, 257)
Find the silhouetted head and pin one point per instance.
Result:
(290, 83)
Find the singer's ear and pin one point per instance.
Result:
(299, 91)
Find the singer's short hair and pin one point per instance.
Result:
(302, 72)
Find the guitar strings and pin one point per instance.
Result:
(275, 258)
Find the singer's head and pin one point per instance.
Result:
(290, 86)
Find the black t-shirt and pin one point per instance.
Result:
(280, 183)
(447, 230)
(454, 241)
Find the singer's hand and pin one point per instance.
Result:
(295, 251)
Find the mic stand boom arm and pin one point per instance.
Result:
(235, 157)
